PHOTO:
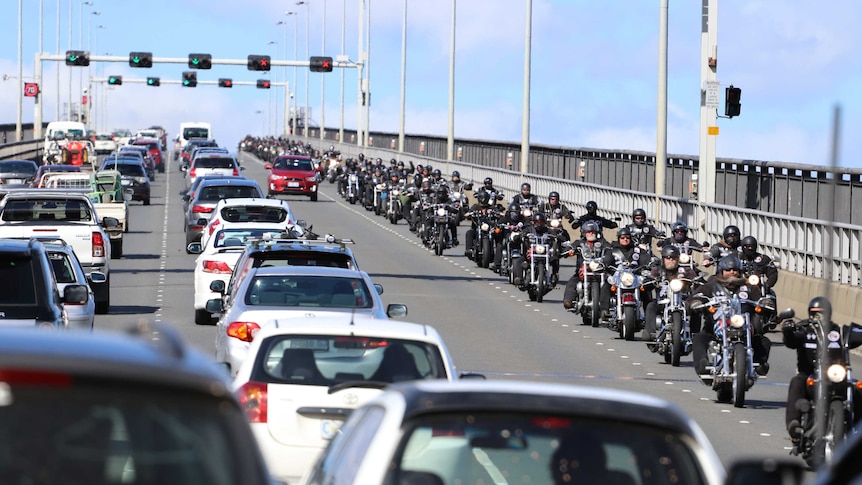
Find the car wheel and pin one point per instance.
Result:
(147, 201)
(203, 317)
(116, 249)
(104, 304)
(314, 197)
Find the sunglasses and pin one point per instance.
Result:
(732, 269)
(670, 257)
(625, 237)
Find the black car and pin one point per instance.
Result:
(29, 296)
(111, 408)
(133, 176)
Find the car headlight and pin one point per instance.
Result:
(141, 180)
(675, 285)
(836, 373)
(541, 249)
(485, 226)
(754, 280)
(441, 211)
(276, 177)
(311, 179)
(594, 265)
(684, 258)
(627, 279)
(737, 321)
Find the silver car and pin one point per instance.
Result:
(206, 196)
(17, 173)
(68, 271)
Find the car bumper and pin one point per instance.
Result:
(283, 187)
(290, 470)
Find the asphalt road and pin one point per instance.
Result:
(489, 326)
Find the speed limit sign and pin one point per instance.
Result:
(31, 90)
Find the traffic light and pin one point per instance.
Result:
(141, 59)
(77, 58)
(263, 83)
(200, 61)
(225, 83)
(320, 64)
(258, 63)
(732, 97)
(190, 79)
(154, 81)
(115, 80)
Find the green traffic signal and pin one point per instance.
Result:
(141, 59)
(77, 58)
(200, 61)
(115, 80)
(153, 81)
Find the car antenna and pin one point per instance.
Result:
(352, 313)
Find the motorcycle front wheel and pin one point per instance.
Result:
(630, 323)
(740, 370)
(676, 342)
(441, 242)
(595, 319)
(540, 285)
(834, 435)
(486, 253)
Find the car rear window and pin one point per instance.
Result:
(309, 291)
(214, 193)
(253, 213)
(74, 432)
(46, 210)
(292, 164)
(17, 167)
(17, 270)
(214, 162)
(302, 258)
(126, 169)
(240, 237)
(542, 450)
(324, 360)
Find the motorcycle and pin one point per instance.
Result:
(673, 339)
(730, 368)
(352, 192)
(393, 203)
(485, 222)
(627, 314)
(539, 279)
(589, 286)
(755, 276)
(438, 218)
(381, 193)
(831, 389)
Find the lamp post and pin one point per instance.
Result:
(525, 116)
(450, 139)
(19, 133)
(89, 104)
(403, 79)
(343, 33)
(323, 76)
(305, 115)
(93, 88)
(69, 69)
(81, 46)
(283, 23)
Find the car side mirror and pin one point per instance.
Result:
(217, 286)
(852, 335)
(769, 470)
(195, 248)
(215, 305)
(97, 277)
(76, 294)
(267, 166)
(109, 222)
(395, 310)
(128, 194)
(471, 375)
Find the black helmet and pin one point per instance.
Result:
(379, 161)
(670, 251)
(749, 246)
(592, 207)
(639, 213)
(428, 167)
(730, 262)
(393, 162)
(426, 184)
(400, 164)
(819, 305)
(436, 173)
(456, 173)
(624, 231)
(483, 197)
(488, 182)
(590, 226)
(539, 218)
(731, 236)
(525, 186)
(514, 207)
(554, 195)
(680, 231)
(361, 157)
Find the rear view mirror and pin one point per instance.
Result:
(852, 335)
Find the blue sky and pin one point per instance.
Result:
(594, 68)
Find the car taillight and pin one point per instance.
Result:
(192, 172)
(236, 172)
(21, 377)
(219, 267)
(199, 209)
(98, 245)
(244, 331)
(252, 398)
(213, 225)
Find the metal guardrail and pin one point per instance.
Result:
(22, 150)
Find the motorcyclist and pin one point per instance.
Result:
(667, 269)
(754, 262)
(482, 205)
(556, 209)
(525, 197)
(623, 250)
(539, 223)
(679, 236)
(423, 197)
(488, 186)
(510, 222)
(643, 232)
(456, 183)
(727, 281)
(729, 244)
(591, 215)
(589, 241)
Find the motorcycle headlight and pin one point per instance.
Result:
(485, 226)
(737, 321)
(594, 265)
(396, 192)
(627, 279)
(352, 178)
(676, 285)
(836, 373)
(441, 211)
(754, 280)
(540, 249)
(555, 223)
(380, 187)
(527, 213)
(684, 258)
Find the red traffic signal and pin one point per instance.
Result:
(263, 84)
(258, 63)
(320, 64)
(732, 104)
(225, 83)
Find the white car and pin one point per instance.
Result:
(212, 164)
(105, 143)
(312, 373)
(68, 271)
(268, 295)
(217, 259)
(237, 212)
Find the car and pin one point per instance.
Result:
(139, 151)
(17, 173)
(188, 194)
(232, 211)
(34, 300)
(292, 175)
(308, 250)
(161, 135)
(42, 174)
(472, 430)
(314, 372)
(155, 149)
(111, 408)
(185, 152)
(270, 293)
(211, 163)
(105, 143)
(207, 194)
(68, 271)
(133, 176)
(122, 136)
(217, 259)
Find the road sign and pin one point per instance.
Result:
(712, 130)
(712, 98)
(31, 90)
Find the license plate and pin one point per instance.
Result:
(126, 183)
(15, 181)
(329, 428)
(313, 344)
(293, 184)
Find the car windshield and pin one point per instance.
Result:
(542, 450)
(308, 291)
(253, 213)
(214, 193)
(16, 273)
(240, 237)
(324, 360)
(17, 167)
(104, 137)
(59, 430)
(46, 210)
(292, 164)
(214, 162)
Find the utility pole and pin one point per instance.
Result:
(661, 122)
(708, 129)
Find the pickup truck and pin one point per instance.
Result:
(66, 214)
(104, 188)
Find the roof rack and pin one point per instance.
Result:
(327, 240)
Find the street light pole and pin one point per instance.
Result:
(283, 24)
(360, 93)
(450, 141)
(37, 67)
(69, 115)
(89, 104)
(661, 122)
(295, 56)
(323, 78)
(19, 132)
(525, 116)
(275, 79)
(343, 33)
(305, 115)
(57, 109)
(81, 46)
(403, 79)
(368, 76)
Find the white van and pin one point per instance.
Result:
(69, 129)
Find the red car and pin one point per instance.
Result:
(293, 175)
(155, 148)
